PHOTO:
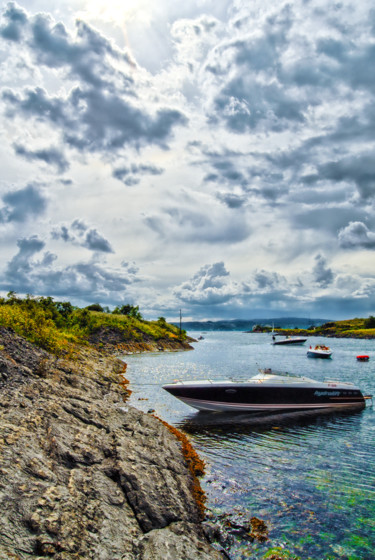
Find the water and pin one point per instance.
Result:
(312, 480)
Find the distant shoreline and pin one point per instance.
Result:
(349, 328)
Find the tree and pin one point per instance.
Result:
(12, 297)
(130, 310)
(95, 307)
(370, 323)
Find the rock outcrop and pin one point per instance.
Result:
(114, 340)
(82, 474)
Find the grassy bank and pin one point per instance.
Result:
(55, 326)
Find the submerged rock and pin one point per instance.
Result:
(81, 475)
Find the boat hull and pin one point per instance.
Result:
(363, 358)
(322, 355)
(249, 398)
(289, 342)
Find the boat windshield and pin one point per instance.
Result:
(281, 376)
(270, 371)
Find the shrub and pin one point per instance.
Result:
(36, 325)
(370, 323)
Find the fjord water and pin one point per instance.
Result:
(311, 479)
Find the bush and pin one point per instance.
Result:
(370, 323)
(95, 307)
(36, 325)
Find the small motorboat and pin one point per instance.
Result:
(288, 340)
(363, 358)
(319, 351)
(267, 391)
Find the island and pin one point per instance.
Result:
(349, 328)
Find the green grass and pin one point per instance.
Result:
(37, 327)
(55, 325)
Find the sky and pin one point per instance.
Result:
(211, 156)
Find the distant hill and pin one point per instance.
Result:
(248, 324)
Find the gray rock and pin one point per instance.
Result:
(82, 476)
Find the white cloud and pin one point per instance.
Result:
(209, 286)
(209, 132)
(356, 235)
(80, 234)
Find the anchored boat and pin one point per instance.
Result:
(288, 340)
(320, 351)
(363, 358)
(267, 391)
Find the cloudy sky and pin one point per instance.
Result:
(214, 156)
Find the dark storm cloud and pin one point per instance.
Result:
(98, 276)
(102, 112)
(229, 171)
(359, 169)
(94, 120)
(26, 273)
(267, 280)
(50, 156)
(232, 200)
(14, 19)
(354, 128)
(131, 175)
(322, 274)
(356, 236)
(36, 103)
(80, 234)
(22, 204)
(84, 58)
(96, 242)
(19, 267)
(226, 169)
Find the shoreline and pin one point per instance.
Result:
(84, 474)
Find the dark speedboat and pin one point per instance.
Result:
(267, 391)
(288, 340)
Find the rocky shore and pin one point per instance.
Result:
(113, 341)
(82, 474)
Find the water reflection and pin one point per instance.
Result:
(208, 422)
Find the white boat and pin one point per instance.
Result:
(288, 340)
(319, 351)
(267, 391)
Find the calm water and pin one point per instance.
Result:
(311, 480)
